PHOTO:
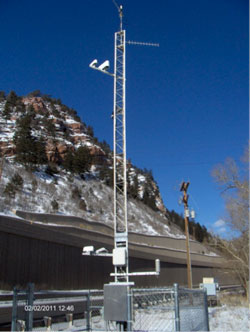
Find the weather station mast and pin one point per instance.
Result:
(117, 294)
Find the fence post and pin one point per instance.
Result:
(176, 306)
(21, 325)
(69, 318)
(130, 308)
(47, 322)
(88, 312)
(206, 309)
(29, 313)
(14, 310)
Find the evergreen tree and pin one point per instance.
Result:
(12, 98)
(2, 96)
(36, 93)
(177, 219)
(206, 233)
(134, 188)
(54, 110)
(191, 228)
(49, 126)
(90, 131)
(105, 147)
(148, 173)
(57, 157)
(66, 133)
(24, 141)
(7, 111)
(106, 174)
(199, 235)
(69, 161)
(31, 112)
(20, 107)
(29, 150)
(148, 198)
(47, 97)
(82, 160)
(40, 150)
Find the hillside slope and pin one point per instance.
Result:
(42, 143)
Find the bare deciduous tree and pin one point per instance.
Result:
(234, 185)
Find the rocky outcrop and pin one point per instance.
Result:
(62, 130)
(36, 102)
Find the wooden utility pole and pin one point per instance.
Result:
(184, 187)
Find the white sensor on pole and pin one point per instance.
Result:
(93, 64)
(104, 66)
(88, 250)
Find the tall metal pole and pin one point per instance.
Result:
(119, 161)
(184, 188)
(120, 252)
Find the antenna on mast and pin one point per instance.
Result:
(120, 11)
(131, 42)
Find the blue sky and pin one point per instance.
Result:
(187, 101)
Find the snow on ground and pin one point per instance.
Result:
(224, 319)
(9, 214)
(70, 120)
(229, 318)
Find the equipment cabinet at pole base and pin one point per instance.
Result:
(117, 306)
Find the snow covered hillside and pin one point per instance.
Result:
(52, 163)
(70, 195)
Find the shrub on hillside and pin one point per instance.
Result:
(10, 190)
(17, 181)
(51, 169)
(82, 205)
(14, 185)
(76, 193)
(54, 205)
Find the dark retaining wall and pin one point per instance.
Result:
(53, 260)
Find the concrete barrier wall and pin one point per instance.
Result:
(161, 241)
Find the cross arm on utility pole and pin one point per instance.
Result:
(184, 186)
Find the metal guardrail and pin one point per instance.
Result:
(48, 309)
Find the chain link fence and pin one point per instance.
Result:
(94, 313)
(153, 309)
(193, 310)
(169, 309)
